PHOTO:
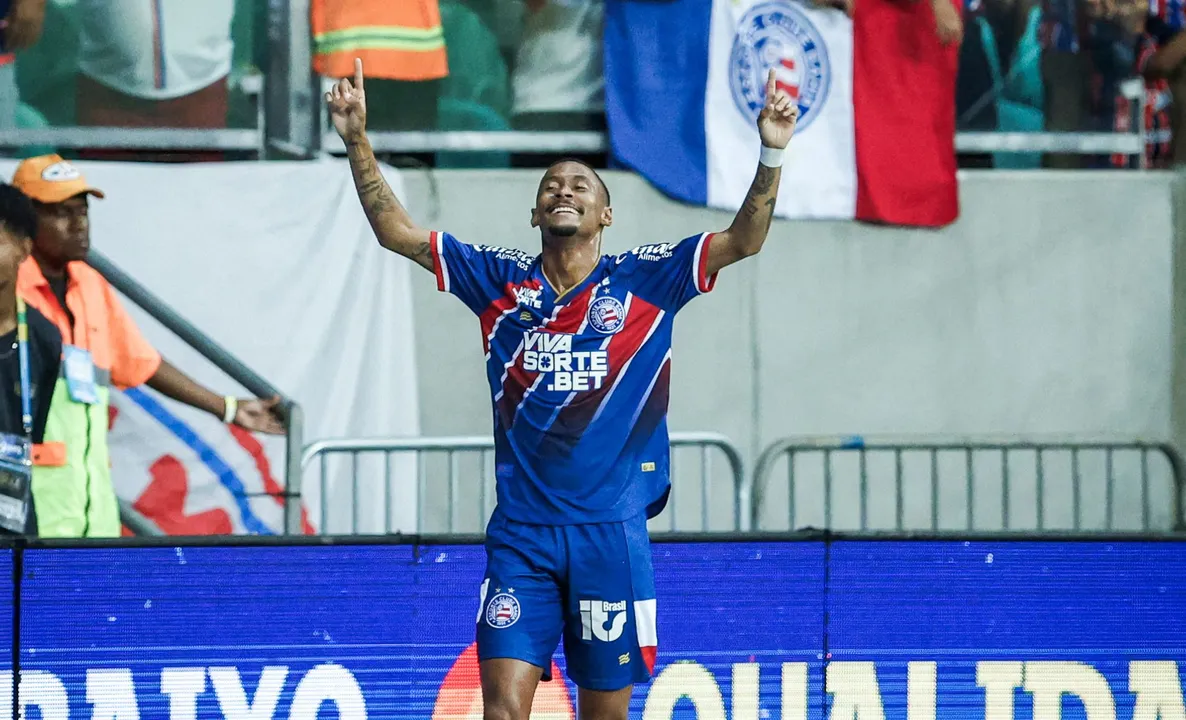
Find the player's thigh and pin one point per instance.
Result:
(521, 613)
(609, 634)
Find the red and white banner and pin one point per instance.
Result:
(876, 95)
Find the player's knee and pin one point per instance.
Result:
(604, 705)
(508, 687)
(504, 707)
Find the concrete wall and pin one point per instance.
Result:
(1048, 308)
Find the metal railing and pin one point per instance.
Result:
(72, 138)
(137, 522)
(970, 483)
(243, 140)
(232, 366)
(472, 457)
(291, 121)
(558, 142)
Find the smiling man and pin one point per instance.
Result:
(578, 356)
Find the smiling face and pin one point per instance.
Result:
(572, 202)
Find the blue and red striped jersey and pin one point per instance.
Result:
(579, 383)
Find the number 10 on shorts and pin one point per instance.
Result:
(596, 614)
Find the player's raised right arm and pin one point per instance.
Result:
(392, 224)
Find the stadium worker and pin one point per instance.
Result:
(30, 351)
(102, 346)
(578, 348)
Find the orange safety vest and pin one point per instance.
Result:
(397, 40)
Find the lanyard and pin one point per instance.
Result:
(22, 339)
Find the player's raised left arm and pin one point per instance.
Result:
(776, 125)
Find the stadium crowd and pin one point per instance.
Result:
(1025, 65)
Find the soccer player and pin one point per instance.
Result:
(578, 350)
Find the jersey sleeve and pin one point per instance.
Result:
(476, 274)
(669, 275)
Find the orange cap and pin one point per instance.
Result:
(50, 179)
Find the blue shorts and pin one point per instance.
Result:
(593, 585)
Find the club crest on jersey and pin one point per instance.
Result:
(503, 610)
(779, 35)
(606, 315)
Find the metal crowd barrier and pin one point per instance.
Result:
(136, 522)
(467, 468)
(235, 368)
(970, 483)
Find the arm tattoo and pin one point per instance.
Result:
(760, 196)
(389, 220)
(764, 180)
(377, 198)
(752, 223)
(423, 252)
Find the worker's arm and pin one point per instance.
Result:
(391, 223)
(134, 361)
(251, 414)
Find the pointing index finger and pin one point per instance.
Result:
(771, 86)
(358, 73)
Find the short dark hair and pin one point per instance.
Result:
(590, 168)
(17, 212)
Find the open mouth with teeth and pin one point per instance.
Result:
(564, 210)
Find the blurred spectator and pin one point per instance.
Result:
(1157, 114)
(1087, 52)
(975, 87)
(1000, 83)
(103, 347)
(18, 226)
(20, 27)
(160, 64)
(1066, 72)
(558, 83)
(402, 47)
(47, 72)
(154, 64)
(504, 18)
(1161, 59)
(1114, 33)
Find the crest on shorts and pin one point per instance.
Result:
(779, 35)
(606, 315)
(503, 610)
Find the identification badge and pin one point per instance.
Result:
(80, 375)
(16, 473)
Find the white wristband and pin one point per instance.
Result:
(232, 409)
(771, 157)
